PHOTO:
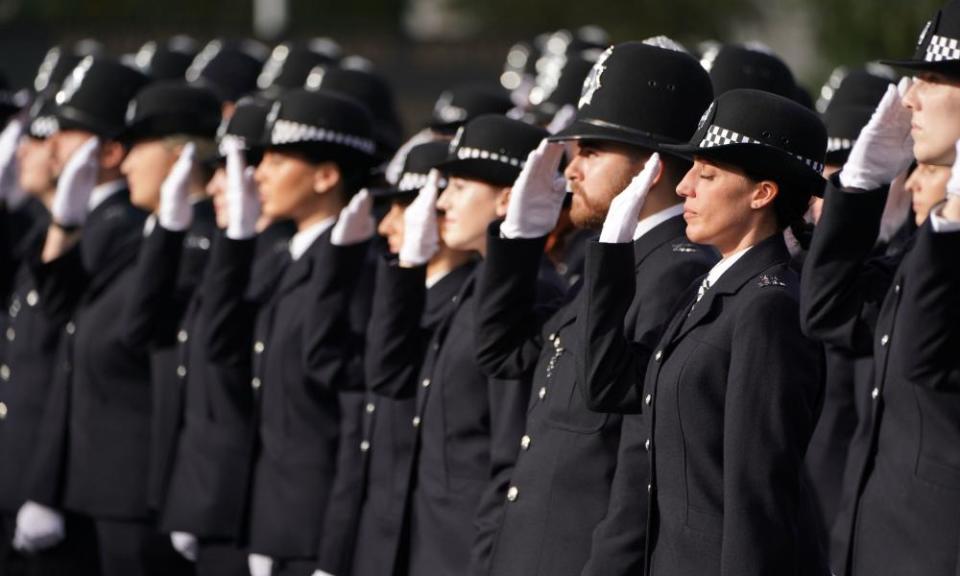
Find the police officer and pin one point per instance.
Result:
(636, 98)
(891, 519)
(388, 436)
(468, 426)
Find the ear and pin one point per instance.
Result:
(503, 200)
(326, 177)
(112, 154)
(764, 194)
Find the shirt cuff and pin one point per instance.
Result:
(941, 224)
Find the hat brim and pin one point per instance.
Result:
(946, 67)
(164, 126)
(493, 172)
(596, 130)
(757, 160)
(391, 193)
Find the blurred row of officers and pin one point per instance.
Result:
(643, 313)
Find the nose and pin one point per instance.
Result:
(910, 101)
(686, 189)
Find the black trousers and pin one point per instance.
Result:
(221, 559)
(75, 556)
(132, 548)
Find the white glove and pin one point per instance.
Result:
(421, 234)
(259, 565)
(884, 147)
(38, 528)
(621, 221)
(176, 213)
(10, 191)
(185, 544)
(562, 119)
(75, 184)
(321, 573)
(243, 205)
(356, 223)
(953, 185)
(537, 195)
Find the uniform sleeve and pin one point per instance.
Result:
(842, 289)
(774, 386)
(394, 337)
(61, 283)
(612, 358)
(929, 311)
(509, 319)
(229, 317)
(153, 309)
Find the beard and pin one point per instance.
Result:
(588, 211)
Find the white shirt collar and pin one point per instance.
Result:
(722, 266)
(103, 191)
(303, 239)
(654, 220)
(149, 225)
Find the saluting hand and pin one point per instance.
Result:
(243, 205)
(259, 565)
(884, 148)
(175, 212)
(621, 221)
(355, 223)
(38, 528)
(76, 184)
(10, 191)
(421, 235)
(537, 195)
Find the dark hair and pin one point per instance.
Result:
(354, 170)
(792, 201)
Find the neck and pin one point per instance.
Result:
(47, 198)
(314, 218)
(753, 237)
(108, 175)
(660, 197)
(445, 261)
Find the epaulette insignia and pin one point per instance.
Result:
(766, 281)
(685, 248)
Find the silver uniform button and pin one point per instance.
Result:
(416, 421)
(512, 494)
(71, 328)
(3, 411)
(11, 334)
(648, 400)
(4, 372)
(255, 383)
(649, 488)
(875, 393)
(181, 371)
(32, 298)
(525, 442)
(646, 445)
(259, 347)
(884, 339)
(896, 289)
(425, 383)
(364, 446)
(182, 336)
(370, 407)
(556, 342)
(542, 393)
(552, 337)
(658, 356)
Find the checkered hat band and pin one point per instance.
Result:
(466, 152)
(836, 144)
(717, 136)
(942, 49)
(289, 132)
(411, 181)
(44, 126)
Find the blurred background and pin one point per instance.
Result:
(424, 46)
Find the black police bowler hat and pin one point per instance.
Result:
(455, 107)
(765, 135)
(492, 148)
(56, 64)
(736, 67)
(245, 127)
(850, 108)
(167, 60)
(289, 66)
(226, 68)
(421, 159)
(95, 96)
(319, 122)
(642, 95)
(172, 107)
(938, 49)
(560, 82)
(41, 120)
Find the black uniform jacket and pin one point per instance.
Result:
(214, 442)
(903, 480)
(730, 399)
(95, 443)
(168, 271)
(29, 342)
(301, 354)
(630, 293)
(388, 432)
